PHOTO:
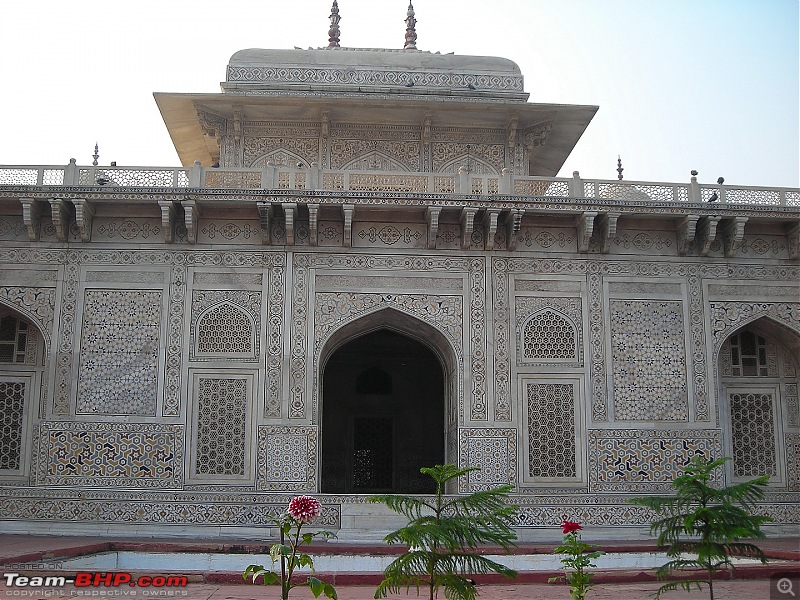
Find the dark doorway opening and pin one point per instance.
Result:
(382, 415)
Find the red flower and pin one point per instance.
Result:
(570, 527)
(304, 508)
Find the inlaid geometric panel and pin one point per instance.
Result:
(118, 370)
(551, 430)
(753, 434)
(12, 403)
(645, 461)
(494, 452)
(793, 461)
(141, 455)
(221, 429)
(649, 360)
(287, 458)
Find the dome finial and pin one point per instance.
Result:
(619, 168)
(411, 29)
(96, 155)
(333, 32)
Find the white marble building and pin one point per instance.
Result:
(367, 264)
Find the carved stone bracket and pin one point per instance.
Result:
(585, 226)
(606, 229)
(467, 223)
(793, 239)
(32, 217)
(313, 223)
(686, 230)
(191, 215)
(168, 219)
(706, 232)
(513, 225)
(513, 124)
(212, 124)
(732, 234)
(84, 214)
(432, 217)
(60, 211)
(265, 221)
(490, 228)
(347, 212)
(289, 214)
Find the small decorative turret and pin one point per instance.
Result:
(333, 32)
(411, 31)
(619, 168)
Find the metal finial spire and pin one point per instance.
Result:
(411, 29)
(96, 155)
(619, 168)
(333, 32)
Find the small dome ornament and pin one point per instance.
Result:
(411, 29)
(333, 32)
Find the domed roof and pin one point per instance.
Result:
(624, 191)
(372, 70)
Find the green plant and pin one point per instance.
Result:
(707, 522)
(443, 534)
(578, 557)
(302, 509)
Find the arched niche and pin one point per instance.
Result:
(386, 387)
(758, 376)
(22, 372)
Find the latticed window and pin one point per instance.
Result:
(551, 430)
(12, 400)
(14, 334)
(221, 426)
(548, 335)
(225, 329)
(753, 434)
(749, 355)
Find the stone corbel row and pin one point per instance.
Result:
(601, 226)
(703, 231)
(700, 231)
(61, 214)
(492, 220)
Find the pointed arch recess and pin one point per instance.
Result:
(393, 163)
(477, 166)
(30, 309)
(729, 317)
(262, 160)
(392, 318)
(779, 329)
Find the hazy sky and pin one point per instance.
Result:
(710, 85)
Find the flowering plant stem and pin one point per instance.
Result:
(578, 557)
(302, 509)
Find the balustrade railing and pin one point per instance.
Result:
(463, 182)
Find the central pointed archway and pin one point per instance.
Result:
(383, 405)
